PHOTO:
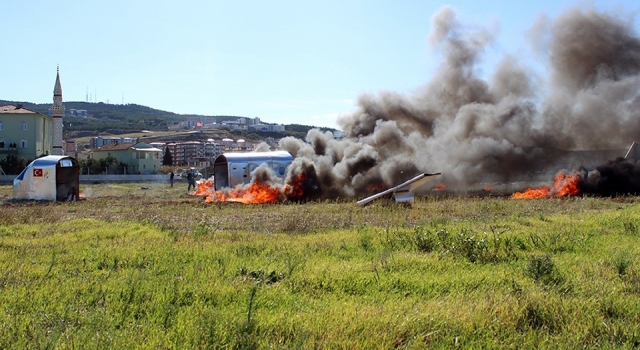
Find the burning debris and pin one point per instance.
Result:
(615, 177)
(263, 189)
(440, 187)
(619, 176)
(403, 192)
(479, 131)
(563, 185)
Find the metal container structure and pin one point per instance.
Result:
(233, 169)
(54, 178)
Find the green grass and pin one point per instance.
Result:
(155, 268)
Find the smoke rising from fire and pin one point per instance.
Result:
(614, 177)
(618, 176)
(471, 129)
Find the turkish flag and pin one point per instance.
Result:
(37, 172)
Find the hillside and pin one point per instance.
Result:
(130, 118)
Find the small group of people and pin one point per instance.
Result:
(11, 145)
(191, 179)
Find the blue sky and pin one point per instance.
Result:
(286, 62)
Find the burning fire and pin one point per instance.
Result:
(563, 185)
(253, 193)
(377, 188)
(294, 188)
(440, 187)
(202, 187)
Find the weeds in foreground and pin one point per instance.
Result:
(621, 261)
(475, 247)
(542, 269)
(173, 272)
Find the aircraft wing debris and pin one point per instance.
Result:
(403, 192)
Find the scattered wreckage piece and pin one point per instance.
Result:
(403, 192)
(633, 154)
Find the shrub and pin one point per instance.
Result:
(366, 241)
(12, 164)
(621, 262)
(542, 269)
(630, 228)
(540, 266)
(470, 246)
(424, 240)
(536, 315)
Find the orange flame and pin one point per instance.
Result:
(488, 189)
(440, 187)
(253, 193)
(203, 187)
(377, 188)
(294, 188)
(563, 185)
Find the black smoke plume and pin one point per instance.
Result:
(616, 177)
(473, 129)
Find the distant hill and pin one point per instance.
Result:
(105, 111)
(102, 117)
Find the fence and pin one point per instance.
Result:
(8, 179)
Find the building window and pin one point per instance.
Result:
(24, 126)
(23, 143)
(2, 144)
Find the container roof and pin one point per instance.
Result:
(48, 161)
(255, 156)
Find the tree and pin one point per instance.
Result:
(90, 166)
(13, 165)
(168, 158)
(109, 165)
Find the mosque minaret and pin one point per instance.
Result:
(57, 111)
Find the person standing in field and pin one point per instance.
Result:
(171, 178)
(191, 180)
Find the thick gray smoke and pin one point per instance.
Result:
(473, 130)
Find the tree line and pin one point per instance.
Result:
(14, 165)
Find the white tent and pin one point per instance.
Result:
(54, 178)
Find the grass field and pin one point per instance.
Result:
(147, 266)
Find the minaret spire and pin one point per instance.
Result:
(57, 111)
(57, 90)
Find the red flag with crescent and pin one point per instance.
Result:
(37, 172)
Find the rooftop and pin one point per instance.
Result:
(115, 147)
(11, 109)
